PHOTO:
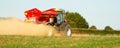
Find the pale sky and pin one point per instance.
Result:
(100, 13)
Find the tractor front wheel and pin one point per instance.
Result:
(68, 30)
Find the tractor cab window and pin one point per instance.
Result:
(59, 17)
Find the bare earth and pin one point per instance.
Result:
(14, 26)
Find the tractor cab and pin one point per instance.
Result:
(60, 17)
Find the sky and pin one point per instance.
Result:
(100, 13)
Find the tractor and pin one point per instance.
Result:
(53, 17)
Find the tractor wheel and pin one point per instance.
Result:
(68, 30)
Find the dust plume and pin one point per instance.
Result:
(14, 26)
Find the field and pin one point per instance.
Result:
(59, 42)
